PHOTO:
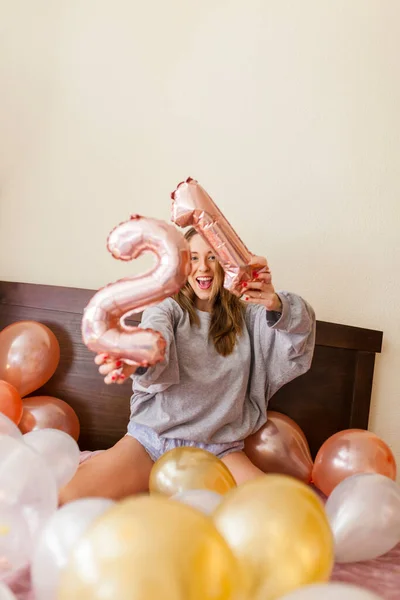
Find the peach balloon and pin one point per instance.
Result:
(280, 446)
(10, 402)
(350, 452)
(29, 355)
(43, 412)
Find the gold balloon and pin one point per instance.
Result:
(148, 548)
(278, 529)
(187, 468)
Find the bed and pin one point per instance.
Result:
(334, 395)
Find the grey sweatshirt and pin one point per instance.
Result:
(198, 395)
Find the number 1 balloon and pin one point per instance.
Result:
(192, 206)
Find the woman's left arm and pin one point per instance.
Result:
(287, 330)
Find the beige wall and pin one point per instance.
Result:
(287, 112)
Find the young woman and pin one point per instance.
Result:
(224, 360)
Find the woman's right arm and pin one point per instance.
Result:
(160, 318)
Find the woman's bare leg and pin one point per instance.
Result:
(241, 467)
(121, 471)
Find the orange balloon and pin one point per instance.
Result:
(29, 355)
(41, 412)
(280, 446)
(350, 452)
(10, 402)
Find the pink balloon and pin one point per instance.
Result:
(59, 451)
(280, 446)
(350, 452)
(7, 427)
(26, 483)
(364, 515)
(56, 540)
(205, 501)
(103, 327)
(6, 593)
(191, 205)
(15, 540)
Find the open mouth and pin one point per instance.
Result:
(204, 283)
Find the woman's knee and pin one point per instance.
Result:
(118, 472)
(241, 467)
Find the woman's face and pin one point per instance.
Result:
(204, 265)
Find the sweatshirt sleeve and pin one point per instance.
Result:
(286, 339)
(162, 375)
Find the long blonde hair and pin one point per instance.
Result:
(227, 310)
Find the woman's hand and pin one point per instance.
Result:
(260, 289)
(115, 371)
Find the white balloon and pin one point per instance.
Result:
(15, 540)
(59, 450)
(364, 514)
(331, 591)
(26, 482)
(6, 593)
(7, 427)
(204, 500)
(56, 540)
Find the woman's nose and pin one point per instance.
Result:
(203, 265)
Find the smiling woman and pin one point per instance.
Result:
(225, 357)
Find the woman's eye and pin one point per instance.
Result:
(194, 257)
(211, 257)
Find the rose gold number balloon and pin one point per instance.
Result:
(103, 326)
(191, 205)
(29, 355)
(280, 446)
(350, 452)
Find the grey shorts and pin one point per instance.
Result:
(156, 445)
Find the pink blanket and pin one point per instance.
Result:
(381, 575)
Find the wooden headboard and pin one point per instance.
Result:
(335, 394)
